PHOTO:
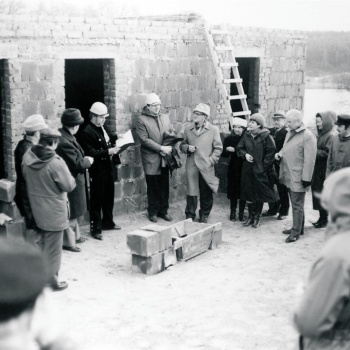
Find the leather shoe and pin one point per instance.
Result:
(267, 213)
(153, 218)
(287, 232)
(74, 249)
(97, 236)
(59, 286)
(281, 217)
(80, 240)
(292, 239)
(113, 227)
(203, 220)
(321, 224)
(166, 217)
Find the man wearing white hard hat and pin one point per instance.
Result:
(203, 146)
(32, 126)
(234, 169)
(98, 142)
(150, 127)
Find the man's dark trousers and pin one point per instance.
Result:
(205, 198)
(158, 193)
(298, 200)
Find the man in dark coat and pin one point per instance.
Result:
(32, 126)
(234, 171)
(324, 123)
(257, 149)
(297, 157)
(98, 142)
(279, 133)
(72, 153)
(151, 127)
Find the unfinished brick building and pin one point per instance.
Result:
(49, 64)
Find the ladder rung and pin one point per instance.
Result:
(229, 81)
(224, 48)
(218, 31)
(228, 64)
(237, 114)
(237, 97)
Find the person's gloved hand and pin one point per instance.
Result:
(306, 183)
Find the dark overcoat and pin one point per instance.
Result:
(234, 169)
(258, 178)
(324, 141)
(73, 154)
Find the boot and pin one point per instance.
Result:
(323, 220)
(241, 210)
(258, 210)
(233, 210)
(250, 219)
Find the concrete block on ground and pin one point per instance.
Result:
(7, 190)
(143, 243)
(148, 265)
(170, 257)
(13, 230)
(216, 239)
(165, 235)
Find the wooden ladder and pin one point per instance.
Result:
(214, 49)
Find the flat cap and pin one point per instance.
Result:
(22, 272)
(49, 134)
(279, 114)
(71, 117)
(343, 119)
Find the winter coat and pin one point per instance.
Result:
(234, 170)
(48, 181)
(279, 137)
(258, 178)
(94, 144)
(21, 198)
(208, 150)
(150, 130)
(72, 153)
(324, 141)
(298, 158)
(339, 154)
(323, 314)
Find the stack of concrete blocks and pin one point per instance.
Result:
(154, 248)
(12, 230)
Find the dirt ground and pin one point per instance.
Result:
(239, 296)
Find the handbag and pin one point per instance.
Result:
(173, 160)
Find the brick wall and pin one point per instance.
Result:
(166, 55)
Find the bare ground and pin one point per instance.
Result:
(240, 296)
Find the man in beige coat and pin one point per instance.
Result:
(297, 157)
(203, 146)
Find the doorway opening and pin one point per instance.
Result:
(249, 72)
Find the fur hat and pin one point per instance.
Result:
(259, 119)
(71, 117)
(239, 122)
(152, 99)
(203, 108)
(99, 109)
(34, 123)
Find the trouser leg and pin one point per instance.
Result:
(96, 190)
(297, 199)
(164, 192)
(206, 198)
(153, 196)
(108, 200)
(191, 206)
(284, 199)
(241, 210)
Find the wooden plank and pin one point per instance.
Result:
(237, 97)
(224, 48)
(237, 114)
(228, 64)
(230, 81)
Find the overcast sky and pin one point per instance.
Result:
(285, 14)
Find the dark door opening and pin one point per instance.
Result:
(2, 119)
(83, 84)
(249, 73)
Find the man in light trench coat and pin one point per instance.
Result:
(297, 157)
(203, 147)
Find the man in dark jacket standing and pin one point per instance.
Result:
(72, 153)
(257, 149)
(98, 142)
(150, 127)
(48, 180)
(279, 132)
(297, 157)
(32, 126)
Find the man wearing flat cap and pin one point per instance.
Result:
(72, 153)
(150, 127)
(279, 132)
(32, 126)
(98, 142)
(339, 152)
(203, 146)
(48, 180)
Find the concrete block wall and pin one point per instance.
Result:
(168, 56)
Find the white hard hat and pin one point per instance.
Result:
(152, 99)
(100, 109)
